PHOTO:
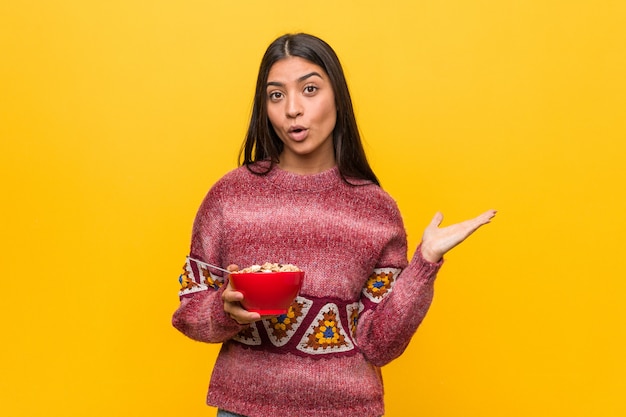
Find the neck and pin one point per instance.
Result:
(305, 166)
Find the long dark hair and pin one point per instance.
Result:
(261, 141)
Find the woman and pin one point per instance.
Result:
(306, 195)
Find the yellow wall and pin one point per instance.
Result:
(117, 116)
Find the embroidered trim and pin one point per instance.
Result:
(249, 336)
(326, 334)
(319, 327)
(197, 277)
(281, 328)
(353, 311)
(380, 283)
(311, 327)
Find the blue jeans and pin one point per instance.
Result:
(223, 413)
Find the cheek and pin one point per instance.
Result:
(330, 116)
(272, 115)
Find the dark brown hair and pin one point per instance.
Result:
(261, 141)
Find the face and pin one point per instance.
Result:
(301, 108)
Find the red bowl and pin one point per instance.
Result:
(268, 293)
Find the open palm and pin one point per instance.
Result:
(436, 240)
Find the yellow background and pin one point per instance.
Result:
(117, 116)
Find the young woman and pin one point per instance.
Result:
(306, 195)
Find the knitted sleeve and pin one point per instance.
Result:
(200, 314)
(395, 299)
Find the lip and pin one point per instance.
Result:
(298, 133)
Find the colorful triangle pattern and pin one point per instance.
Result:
(325, 334)
(281, 328)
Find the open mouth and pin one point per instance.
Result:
(297, 133)
(296, 129)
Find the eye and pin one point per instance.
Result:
(310, 89)
(275, 95)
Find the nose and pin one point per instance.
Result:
(294, 107)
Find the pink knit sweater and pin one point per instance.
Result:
(359, 306)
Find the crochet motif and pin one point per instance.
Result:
(353, 311)
(311, 326)
(326, 334)
(318, 326)
(249, 336)
(197, 277)
(281, 328)
(380, 283)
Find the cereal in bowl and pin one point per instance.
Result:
(269, 267)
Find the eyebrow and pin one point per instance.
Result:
(303, 78)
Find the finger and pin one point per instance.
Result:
(437, 219)
(487, 216)
(242, 316)
(250, 317)
(234, 310)
(481, 220)
(244, 321)
(231, 296)
(232, 267)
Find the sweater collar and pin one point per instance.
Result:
(310, 182)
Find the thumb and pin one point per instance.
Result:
(437, 219)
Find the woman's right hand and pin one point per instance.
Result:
(232, 304)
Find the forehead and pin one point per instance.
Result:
(291, 69)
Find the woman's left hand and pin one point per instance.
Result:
(437, 241)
